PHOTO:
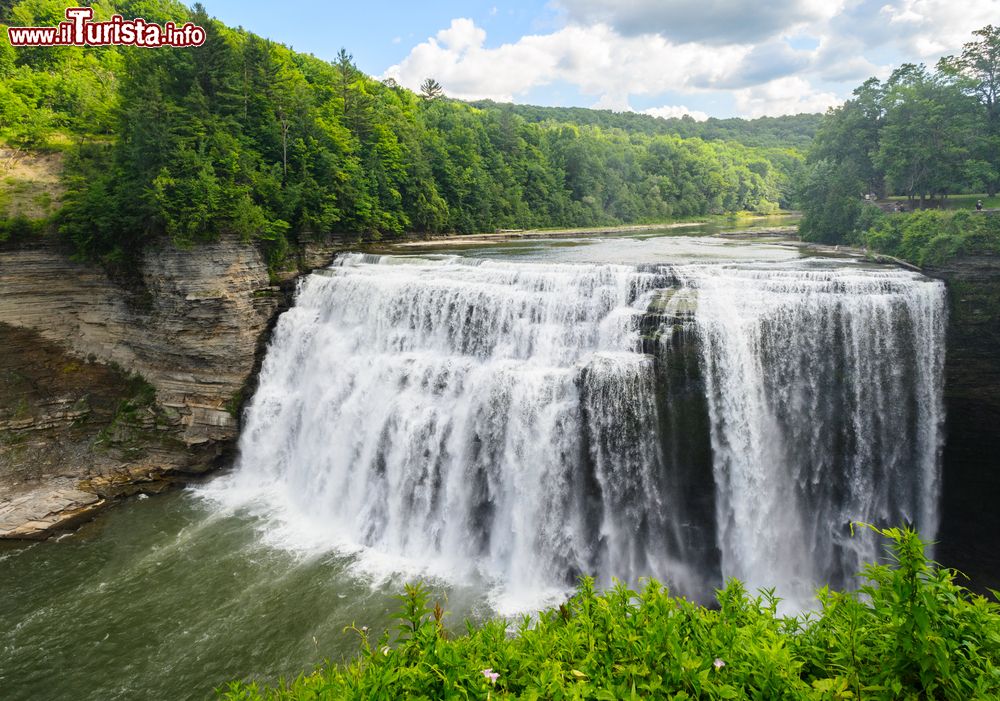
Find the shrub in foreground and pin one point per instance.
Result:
(911, 632)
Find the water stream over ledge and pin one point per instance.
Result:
(502, 419)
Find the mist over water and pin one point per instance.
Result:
(519, 424)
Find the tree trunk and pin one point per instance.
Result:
(284, 144)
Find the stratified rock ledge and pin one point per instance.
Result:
(45, 510)
(78, 429)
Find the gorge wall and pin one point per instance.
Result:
(193, 330)
(970, 525)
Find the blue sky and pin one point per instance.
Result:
(717, 58)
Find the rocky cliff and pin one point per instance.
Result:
(970, 524)
(192, 328)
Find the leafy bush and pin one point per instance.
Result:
(910, 633)
(20, 228)
(931, 237)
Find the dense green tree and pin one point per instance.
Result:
(850, 134)
(926, 136)
(977, 72)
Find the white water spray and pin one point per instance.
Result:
(825, 396)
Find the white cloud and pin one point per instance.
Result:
(614, 101)
(765, 62)
(596, 59)
(747, 55)
(789, 95)
(897, 15)
(676, 111)
(936, 27)
(708, 21)
(462, 35)
(842, 60)
(914, 30)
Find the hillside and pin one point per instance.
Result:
(245, 137)
(788, 131)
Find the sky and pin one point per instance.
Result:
(706, 58)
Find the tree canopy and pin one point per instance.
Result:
(922, 134)
(245, 136)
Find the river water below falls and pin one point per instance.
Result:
(499, 420)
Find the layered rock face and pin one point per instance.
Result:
(73, 435)
(79, 425)
(970, 518)
(192, 332)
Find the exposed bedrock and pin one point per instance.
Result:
(970, 526)
(193, 328)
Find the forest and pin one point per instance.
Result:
(245, 136)
(786, 131)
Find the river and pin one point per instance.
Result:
(497, 420)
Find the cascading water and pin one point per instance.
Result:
(531, 422)
(825, 396)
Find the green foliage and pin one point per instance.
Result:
(932, 237)
(20, 228)
(244, 136)
(910, 633)
(831, 191)
(788, 131)
(920, 134)
(928, 133)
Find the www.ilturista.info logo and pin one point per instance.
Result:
(79, 30)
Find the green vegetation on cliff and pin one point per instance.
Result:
(910, 633)
(245, 136)
(932, 237)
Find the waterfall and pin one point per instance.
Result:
(526, 423)
(825, 396)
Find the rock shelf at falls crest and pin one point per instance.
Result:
(530, 422)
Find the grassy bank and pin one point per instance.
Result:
(958, 201)
(911, 633)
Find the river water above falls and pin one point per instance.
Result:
(499, 420)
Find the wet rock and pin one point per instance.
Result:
(41, 511)
(970, 523)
